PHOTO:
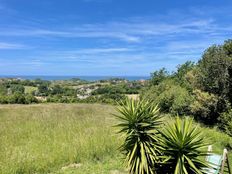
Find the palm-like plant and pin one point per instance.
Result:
(139, 121)
(185, 147)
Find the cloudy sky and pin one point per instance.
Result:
(107, 37)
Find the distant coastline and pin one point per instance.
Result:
(87, 78)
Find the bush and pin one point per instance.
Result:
(183, 144)
(3, 99)
(204, 107)
(17, 89)
(139, 121)
(3, 89)
(177, 148)
(111, 98)
(29, 99)
(175, 100)
(225, 122)
(16, 98)
(120, 88)
(43, 89)
(61, 99)
(104, 98)
(170, 96)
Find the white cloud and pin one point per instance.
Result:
(129, 31)
(144, 42)
(4, 45)
(89, 51)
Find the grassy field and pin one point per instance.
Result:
(66, 139)
(46, 138)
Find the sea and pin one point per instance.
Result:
(87, 78)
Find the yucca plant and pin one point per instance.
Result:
(185, 148)
(138, 123)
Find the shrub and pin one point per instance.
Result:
(104, 98)
(225, 122)
(3, 99)
(175, 100)
(17, 89)
(3, 89)
(29, 99)
(170, 96)
(204, 107)
(16, 98)
(43, 89)
(183, 144)
(139, 121)
(111, 98)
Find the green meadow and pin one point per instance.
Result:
(68, 138)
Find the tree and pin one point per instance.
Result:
(158, 76)
(17, 89)
(57, 90)
(43, 89)
(216, 73)
(214, 67)
(3, 89)
(181, 73)
(228, 47)
(183, 69)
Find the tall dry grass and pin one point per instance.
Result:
(43, 138)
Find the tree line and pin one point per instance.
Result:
(202, 89)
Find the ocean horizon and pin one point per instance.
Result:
(87, 78)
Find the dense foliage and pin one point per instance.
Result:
(203, 90)
(66, 91)
(226, 122)
(171, 97)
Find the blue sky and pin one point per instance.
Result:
(107, 37)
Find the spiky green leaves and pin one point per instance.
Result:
(184, 144)
(139, 122)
